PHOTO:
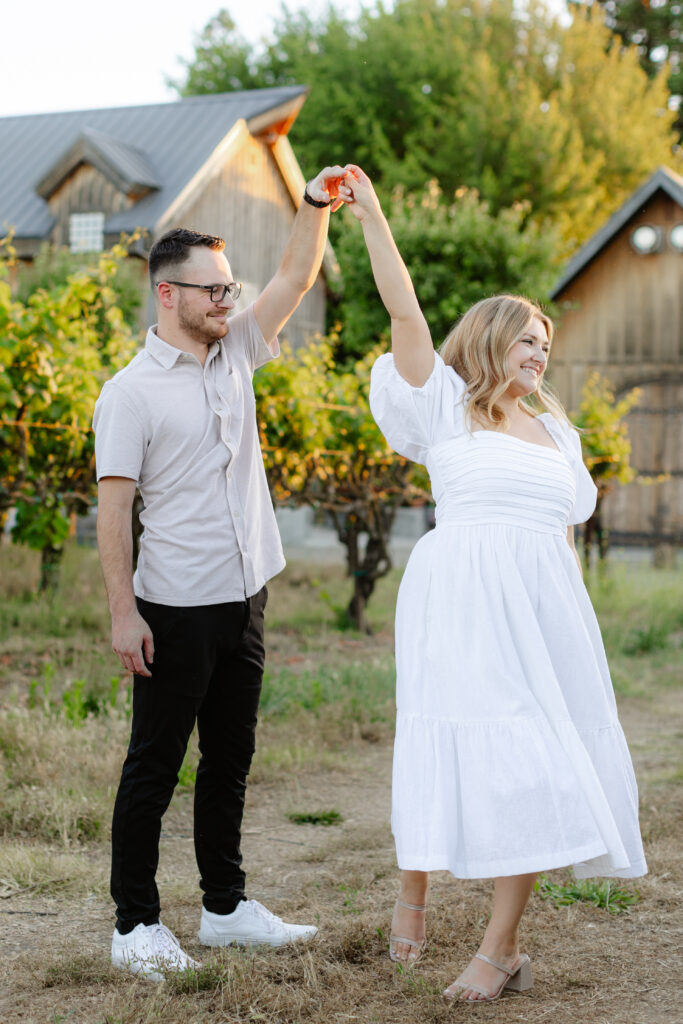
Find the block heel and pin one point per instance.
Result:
(522, 980)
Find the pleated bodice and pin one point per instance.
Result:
(492, 478)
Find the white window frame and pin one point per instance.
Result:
(86, 232)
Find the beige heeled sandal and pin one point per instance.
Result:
(518, 980)
(418, 946)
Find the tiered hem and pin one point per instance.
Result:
(496, 797)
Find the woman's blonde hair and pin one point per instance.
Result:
(477, 348)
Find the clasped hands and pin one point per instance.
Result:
(348, 186)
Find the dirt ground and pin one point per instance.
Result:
(589, 966)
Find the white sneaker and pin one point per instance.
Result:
(250, 924)
(150, 950)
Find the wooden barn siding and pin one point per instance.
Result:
(249, 205)
(623, 316)
(85, 191)
(654, 508)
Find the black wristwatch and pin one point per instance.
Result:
(315, 202)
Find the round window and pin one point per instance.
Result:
(676, 237)
(646, 239)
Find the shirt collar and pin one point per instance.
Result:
(168, 355)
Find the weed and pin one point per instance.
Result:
(340, 612)
(350, 904)
(82, 969)
(187, 776)
(205, 978)
(78, 699)
(45, 683)
(315, 817)
(654, 637)
(606, 894)
(416, 983)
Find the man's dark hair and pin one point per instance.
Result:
(172, 250)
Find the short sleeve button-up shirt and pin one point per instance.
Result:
(187, 434)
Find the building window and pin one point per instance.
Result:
(676, 237)
(646, 239)
(86, 232)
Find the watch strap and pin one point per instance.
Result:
(319, 204)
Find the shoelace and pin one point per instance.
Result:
(166, 942)
(271, 919)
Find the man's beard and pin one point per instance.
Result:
(197, 325)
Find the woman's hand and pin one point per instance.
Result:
(357, 192)
(325, 186)
(410, 337)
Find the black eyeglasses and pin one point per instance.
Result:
(217, 292)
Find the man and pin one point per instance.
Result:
(179, 423)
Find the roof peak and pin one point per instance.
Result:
(661, 178)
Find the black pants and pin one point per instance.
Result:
(208, 668)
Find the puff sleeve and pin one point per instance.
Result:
(586, 491)
(569, 442)
(413, 419)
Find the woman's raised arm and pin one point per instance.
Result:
(411, 341)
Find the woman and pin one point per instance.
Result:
(509, 757)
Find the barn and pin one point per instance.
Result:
(621, 314)
(220, 164)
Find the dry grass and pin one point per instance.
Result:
(324, 743)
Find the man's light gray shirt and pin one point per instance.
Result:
(187, 434)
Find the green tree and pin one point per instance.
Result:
(323, 449)
(607, 450)
(479, 93)
(56, 349)
(656, 31)
(456, 251)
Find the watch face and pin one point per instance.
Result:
(646, 239)
(676, 237)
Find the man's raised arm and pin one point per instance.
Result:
(303, 254)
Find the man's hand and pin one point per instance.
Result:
(357, 192)
(131, 637)
(325, 186)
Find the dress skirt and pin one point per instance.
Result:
(509, 757)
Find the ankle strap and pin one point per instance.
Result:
(411, 906)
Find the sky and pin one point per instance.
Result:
(79, 54)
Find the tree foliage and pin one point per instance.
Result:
(56, 349)
(456, 251)
(488, 94)
(655, 29)
(322, 448)
(606, 447)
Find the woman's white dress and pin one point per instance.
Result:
(509, 756)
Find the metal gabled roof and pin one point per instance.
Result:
(663, 178)
(127, 167)
(164, 143)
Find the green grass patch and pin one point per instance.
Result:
(79, 698)
(358, 691)
(639, 609)
(82, 969)
(606, 894)
(654, 637)
(315, 817)
(205, 978)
